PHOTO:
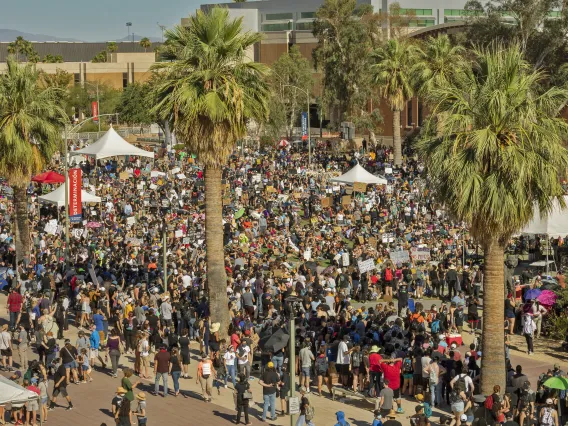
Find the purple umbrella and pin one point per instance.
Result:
(532, 294)
(547, 298)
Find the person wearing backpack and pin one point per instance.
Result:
(435, 372)
(407, 375)
(548, 415)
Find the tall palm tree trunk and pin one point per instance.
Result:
(216, 277)
(23, 240)
(493, 360)
(396, 139)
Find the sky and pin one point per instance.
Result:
(98, 20)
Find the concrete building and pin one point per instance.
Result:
(129, 64)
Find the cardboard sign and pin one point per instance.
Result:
(345, 259)
(420, 254)
(133, 241)
(51, 227)
(366, 265)
(373, 242)
(131, 220)
(388, 170)
(360, 187)
(186, 240)
(124, 176)
(361, 239)
(346, 199)
(337, 229)
(401, 256)
(307, 255)
(326, 202)
(178, 233)
(77, 232)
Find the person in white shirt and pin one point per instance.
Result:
(343, 361)
(466, 378)
(229, 359)
(538, 312)
(529, 328)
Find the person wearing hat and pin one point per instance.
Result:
(375, 371)
(269, 382)
(140, 412)
(529, 328)
(117, 400)
(391, 419)
(548, 416)
(452, 280)
(243, 398)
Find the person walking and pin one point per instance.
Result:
(306, 360)
(205, 373)
(60, 386)
(14, 306)
(184, 342)
(161, 369)
(175, 368)
(114, 346)
(229, 359)
(529, 328)
(269, 382)
(243, 396)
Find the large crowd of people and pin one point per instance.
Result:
(382, 286)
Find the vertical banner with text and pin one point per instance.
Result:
(304, 126)
(75, 212)
(95, 110)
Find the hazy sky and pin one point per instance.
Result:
(97, 20)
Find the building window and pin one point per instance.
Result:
(124, 79)
(286, 26)
(307, 15)
(304, 26)
(417, 12)
(419, 23)
(76, 78)
(461, 12)
(278, 16)
(409, 113)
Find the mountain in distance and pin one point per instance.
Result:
(137, 38)
(7, 35)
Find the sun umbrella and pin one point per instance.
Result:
(48, 177)
(283, 143)
(277, 341)
(532, 294)
(239, 213)
(547, 298)
(559, 383)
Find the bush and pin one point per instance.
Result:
(556, 326)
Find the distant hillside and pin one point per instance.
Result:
(11, 35)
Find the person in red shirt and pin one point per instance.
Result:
(32, 407)
(391, 370)
(14, 307)
(375, 371)
(236, 339)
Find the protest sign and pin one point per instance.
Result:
(388, 237)
(388, 170)
(133, 241)
(51, 227)
(345, 259)
(186, 240)
(124, 176)
(373, 242)
(78, 232)
(307, 255)
(400, 256)
(366, 265)
(359, 187)
(179, 233)
(346, 199)
(131, 220)
(326, 202)
(420, 254)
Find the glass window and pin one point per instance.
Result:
(304, 26)
(421, 23)
(417, 12)
(307, 15)
(277, 27)
(278, 16)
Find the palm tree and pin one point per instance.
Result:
(145, 43)
(30, 133)
(112, 47)
(391, 70)
(212, 89)
(500, 153)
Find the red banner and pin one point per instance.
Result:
(75, 211)
(95, 110)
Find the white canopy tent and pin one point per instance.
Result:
(12, 392)
(359, 174)
(112, 145)
(555, 224)
(58, 197)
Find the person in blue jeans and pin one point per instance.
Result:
(229, 359)
(278, 360)
(161, 369)
(269, 381)
(175, 369)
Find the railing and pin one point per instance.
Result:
(124, 132)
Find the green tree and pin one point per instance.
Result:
(52, 59)
(112, 47)
(30, 133)
(145, 43)
(500, 152)
(290, 79)
(100, 57)
(133, 107)
(537, 27)
(212, 89)
(346, 33)
(391, 70)
(21, 46)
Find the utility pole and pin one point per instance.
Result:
(162, 27)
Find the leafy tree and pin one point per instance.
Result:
(145, 43)
(346, 33)
(133, 107)
(30, 133)
(80, 98)
(290, 80)
(500, 152)
(391, 69)
(21, 46)
(531, 25)
(52, 59)
(100, 57)
(212, 89)
(112, 47)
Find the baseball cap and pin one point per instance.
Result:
(463, 418)
(270, 364)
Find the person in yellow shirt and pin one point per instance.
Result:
(129, 307)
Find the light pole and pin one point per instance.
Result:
(162, 27)
(128, 25)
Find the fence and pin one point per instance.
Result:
(124, 132)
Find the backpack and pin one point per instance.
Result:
(460, 385)
(310, 412)
(547, 419)
(435, 326)
(407, 365)
(427, 410)
(488, 402)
